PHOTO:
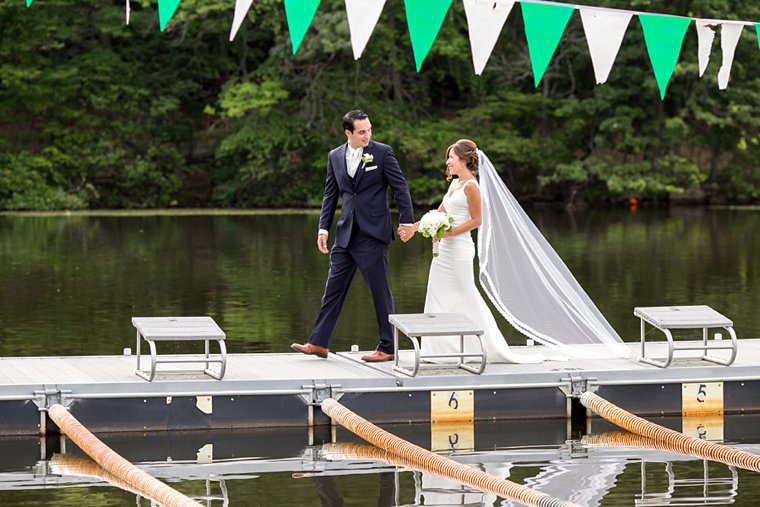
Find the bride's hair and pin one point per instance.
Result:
(467, 151)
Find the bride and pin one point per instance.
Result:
(519, 271)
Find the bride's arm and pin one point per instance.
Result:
(476, 212)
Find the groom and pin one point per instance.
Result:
(360, 172)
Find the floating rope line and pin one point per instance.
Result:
(445, 467)
(688, 445)
(115, 464)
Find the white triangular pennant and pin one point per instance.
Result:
(362, 18)
(241, 9)
(729, 38)
(127, 11)
(705, 37)
(605, 30)
(485, 19)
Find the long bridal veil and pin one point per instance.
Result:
(528, 282)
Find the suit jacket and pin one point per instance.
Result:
(365, 197)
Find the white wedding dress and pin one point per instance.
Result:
(451, 289)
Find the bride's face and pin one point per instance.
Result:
(456, 165)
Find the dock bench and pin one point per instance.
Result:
(430, 325)
(701, 317)
(159, 329)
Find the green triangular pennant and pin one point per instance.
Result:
(424, 18)
(757, 29)
(663, 36)
(28, 3)
(544, 26)
(299, 14)
(166, 9)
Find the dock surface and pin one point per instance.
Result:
(274, 390)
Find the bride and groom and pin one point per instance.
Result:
(515, 260)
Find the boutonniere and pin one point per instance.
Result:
(367, 158)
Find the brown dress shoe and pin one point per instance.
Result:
(311, 350)
(377, 356)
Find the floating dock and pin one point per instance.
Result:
(285, 390)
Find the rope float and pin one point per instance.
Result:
(689, 445)
(115, 464)
(450, 469)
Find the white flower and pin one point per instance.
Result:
(434, 223)
(367, 158)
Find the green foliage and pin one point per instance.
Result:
(26, 184)
(97, 114)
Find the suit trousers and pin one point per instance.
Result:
(370, 257)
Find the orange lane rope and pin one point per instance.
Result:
(446, 467)
(115, 464)
(689, 445)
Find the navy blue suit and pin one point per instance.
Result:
(363, 234)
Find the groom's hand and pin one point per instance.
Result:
(405, 232)
(322, 243)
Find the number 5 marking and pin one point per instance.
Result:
(701, 393)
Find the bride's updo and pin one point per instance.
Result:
(467, 151)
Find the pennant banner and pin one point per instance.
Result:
(166, 9)
(705, 38)
(424, 18)
(485, 19)
(604, 30)
(299, 14)
(544, 21)
(241, 9)
(729, 38)
(544, 26)
(663, 36)
(362, 18)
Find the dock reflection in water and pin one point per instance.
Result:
(295, 467)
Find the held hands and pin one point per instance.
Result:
(405, 232)
(322, 243)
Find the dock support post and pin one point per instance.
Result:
(578, 416)
(44, 399)
(317, 393)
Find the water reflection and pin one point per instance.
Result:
(70, 284)
(290, 467)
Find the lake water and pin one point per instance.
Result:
(69, 285)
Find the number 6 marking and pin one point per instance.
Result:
(453, 401)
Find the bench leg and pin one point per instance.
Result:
(223, 351)
(137, 349)
(147, 375)
(655, 362)
(734, 349)
(401, 369)
(483, 357)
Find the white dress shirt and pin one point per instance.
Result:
(353, 158)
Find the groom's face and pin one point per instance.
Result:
(361, 135)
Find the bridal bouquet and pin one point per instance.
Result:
(433, 224)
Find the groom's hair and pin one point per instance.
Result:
(351, 117)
